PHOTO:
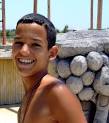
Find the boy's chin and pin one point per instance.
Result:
(23, 74)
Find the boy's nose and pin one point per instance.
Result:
(25, 50)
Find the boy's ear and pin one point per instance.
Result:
(53, 52)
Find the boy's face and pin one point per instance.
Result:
(30, 49)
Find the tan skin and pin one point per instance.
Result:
(51, 101)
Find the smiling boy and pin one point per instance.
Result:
(46, 99)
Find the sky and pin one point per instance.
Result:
(74, 13)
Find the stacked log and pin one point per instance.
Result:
(83, 65)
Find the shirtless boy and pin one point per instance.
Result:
(47, 99)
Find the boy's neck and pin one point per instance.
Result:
(30, 81)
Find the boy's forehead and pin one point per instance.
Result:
(31, 27)
(31, 31)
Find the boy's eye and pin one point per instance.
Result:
(35, 45)
(18, 44)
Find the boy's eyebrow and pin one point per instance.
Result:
(17, 37)
(35, 39)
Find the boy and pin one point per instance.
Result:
(47, 99)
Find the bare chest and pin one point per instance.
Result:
(34, 109)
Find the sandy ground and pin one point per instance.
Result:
(8, 114)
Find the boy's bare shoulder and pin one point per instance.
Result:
(56, 89)
(50, 82)
(55, 86)
(62, 102)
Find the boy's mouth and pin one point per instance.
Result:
(25, 61)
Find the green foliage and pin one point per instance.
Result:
(57, 30)
(0, 33)
(10, 33)
(65, 29)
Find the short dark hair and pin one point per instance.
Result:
(41, 20)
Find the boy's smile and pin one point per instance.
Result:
(25, 63)
(30, 49)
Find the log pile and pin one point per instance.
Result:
(83, 65)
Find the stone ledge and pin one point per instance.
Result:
(82, 42)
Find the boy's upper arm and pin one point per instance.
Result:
(65, 107)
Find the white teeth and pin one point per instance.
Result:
(26, 61)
